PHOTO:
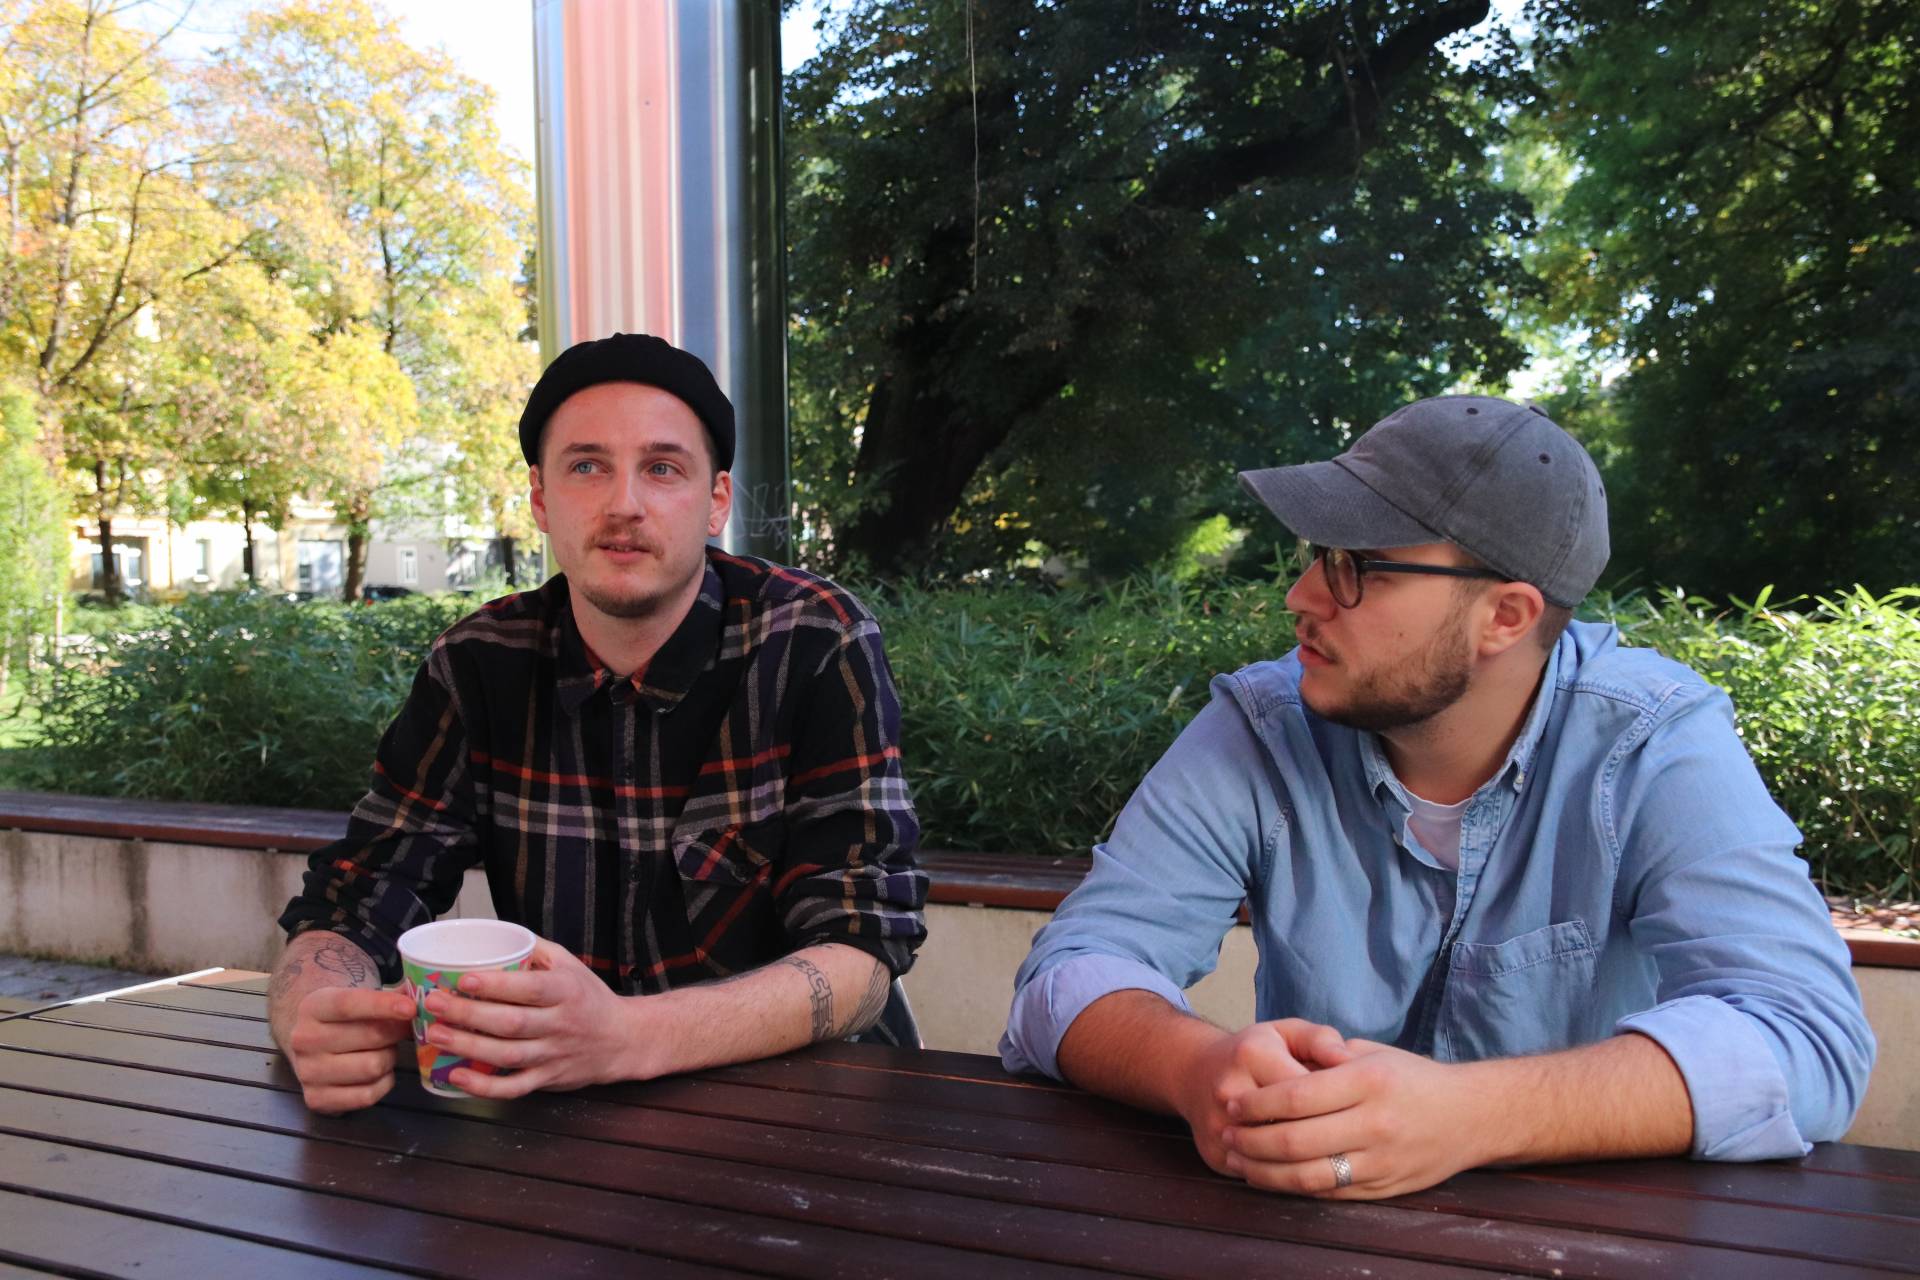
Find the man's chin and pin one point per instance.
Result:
(628, 606)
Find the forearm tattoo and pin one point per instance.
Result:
(872, 1001)
(820, 994)
(348, 962)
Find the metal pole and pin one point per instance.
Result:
(659, 195)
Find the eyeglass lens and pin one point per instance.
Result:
(1341, 568)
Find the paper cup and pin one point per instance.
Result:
(434, 956)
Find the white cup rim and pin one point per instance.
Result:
(516, 943)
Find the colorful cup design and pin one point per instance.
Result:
(435, 957)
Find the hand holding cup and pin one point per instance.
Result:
(435, 957)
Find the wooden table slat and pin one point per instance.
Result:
(157, 1020)
(865, 1065)
(80, 1239)
(9, 1271)
(1863, 1162)
(1486, 1202)
(1768, 1182)
(478, 1221)
(802, 1073)
(228, 1004)
(431, 1178)
(381, 1235)
(251, 981)
(930, 1062)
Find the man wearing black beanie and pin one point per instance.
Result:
(675, 766)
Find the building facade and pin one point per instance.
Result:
(308, 555)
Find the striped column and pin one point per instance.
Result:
(659, 176)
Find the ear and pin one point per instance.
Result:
(537, 497)
(1510, 611)
(720, 503)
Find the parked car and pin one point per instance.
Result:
(370, 594)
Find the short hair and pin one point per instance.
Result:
(1553, 620)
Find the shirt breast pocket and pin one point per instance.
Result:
(1530, 994)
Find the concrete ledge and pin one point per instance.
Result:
(156, 887)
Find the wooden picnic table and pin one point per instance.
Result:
(159, 1133)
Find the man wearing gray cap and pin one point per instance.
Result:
(1518, 892)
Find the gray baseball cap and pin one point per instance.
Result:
(1497, 479)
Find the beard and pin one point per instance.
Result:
(629, 600)
(1412, 692)
(627, 608)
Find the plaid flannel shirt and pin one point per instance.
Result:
(738, 798)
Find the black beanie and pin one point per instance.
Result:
(630, 357)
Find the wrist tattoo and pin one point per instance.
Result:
(820, 995)
(347, 961)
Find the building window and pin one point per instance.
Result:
(409, 566)
(320, 563)
(203, 559)
(129, 556)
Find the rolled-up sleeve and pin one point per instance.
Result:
(1757, 1004)
(847, 873)
(409, 841)
(1160, 894)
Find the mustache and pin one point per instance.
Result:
(624, 537)
(1308, 634)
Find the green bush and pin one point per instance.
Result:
(236, 699)
(1030, 715)
(86, 616)
(1824, 693)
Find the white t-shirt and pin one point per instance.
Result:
(1437, 827)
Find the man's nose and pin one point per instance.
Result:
(629, 495)
(1309, 595)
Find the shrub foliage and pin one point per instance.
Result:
(236, 699)
(1824, 693)
(1029, 715)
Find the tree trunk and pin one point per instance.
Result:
(925, 446)
(928, 452)
(54, 651)
(246, 554)
(508, 563)
(356, 561)
(109, 567)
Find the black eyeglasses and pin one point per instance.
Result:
(1346, 572)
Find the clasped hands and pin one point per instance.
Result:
(1271, 1104)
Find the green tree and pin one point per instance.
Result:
(1059, 269)
(110, 236)
(33, 535)
(382, 196)
(480, 387)
(253, 436)
(1742, 234)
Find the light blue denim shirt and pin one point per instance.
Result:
(1625, 870)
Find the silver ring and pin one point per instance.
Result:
(1342, 1171)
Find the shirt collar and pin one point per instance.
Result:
(665, 679)
(1520, 756)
